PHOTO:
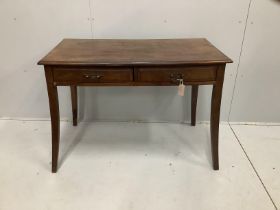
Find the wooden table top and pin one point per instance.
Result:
(125, 52)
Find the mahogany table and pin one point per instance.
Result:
(156, 62)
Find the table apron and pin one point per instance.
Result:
(134, 76)
(131, 84)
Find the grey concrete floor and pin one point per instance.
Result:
(138, 166)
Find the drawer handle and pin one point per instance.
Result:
(93, 76)
(176, 77)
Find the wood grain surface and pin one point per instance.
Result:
(113, 52)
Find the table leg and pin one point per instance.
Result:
(55, 119)
(194, 104)
(74, 104)
(215, 116)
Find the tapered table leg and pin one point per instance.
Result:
(194, 104)
(55, 119)
(74, 99)
(215, 116)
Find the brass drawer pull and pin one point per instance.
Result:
(92, 76)
(176, 77)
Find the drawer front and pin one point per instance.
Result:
(93, 75)
(173, 74)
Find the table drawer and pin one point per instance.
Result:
(172, 74)
(93, 75)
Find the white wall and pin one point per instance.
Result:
(29, 29)
(257, 93)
